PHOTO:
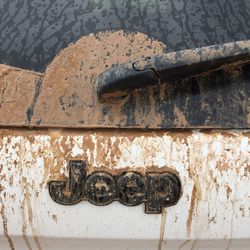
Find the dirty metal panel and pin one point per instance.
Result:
(17, 89)
(72, 43)
(213, 167)
(66, 94)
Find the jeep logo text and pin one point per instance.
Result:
(157, 190)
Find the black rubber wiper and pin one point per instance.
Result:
(170, 67)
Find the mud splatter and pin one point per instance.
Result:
(5, 225)
(137, 150)
(231, 227)
(54, 217)
(69, 70)
(30, 218)
(183, 244)
(191, 211)
(24, 225)
(17, 87)
(162, 228)
(23, 202)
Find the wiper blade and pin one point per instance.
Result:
(170, 67)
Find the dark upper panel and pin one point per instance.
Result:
(33, 32)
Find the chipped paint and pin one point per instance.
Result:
(213, 167)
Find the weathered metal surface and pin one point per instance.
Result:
(213, 167)
(67, 95)
(34, 32)
(101, 188)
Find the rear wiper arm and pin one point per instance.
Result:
(170, 67)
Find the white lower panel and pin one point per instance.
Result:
(214, 209)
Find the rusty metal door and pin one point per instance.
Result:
(125, 124)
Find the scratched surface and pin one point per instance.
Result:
(33, 32)
(214, 168)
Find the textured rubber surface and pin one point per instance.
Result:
(33, 32)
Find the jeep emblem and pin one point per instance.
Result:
(101, 188)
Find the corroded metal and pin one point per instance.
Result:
(157, 190)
